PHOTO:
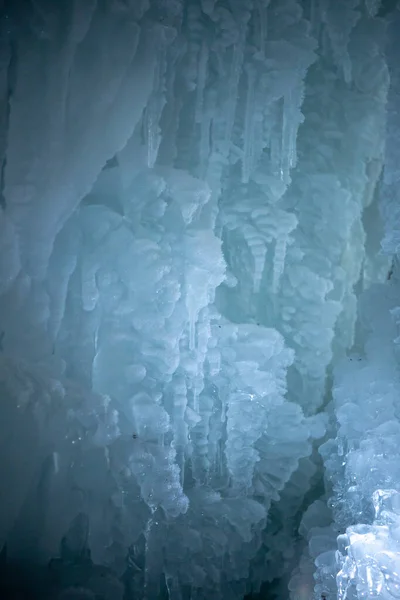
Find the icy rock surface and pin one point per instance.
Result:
(188, 211)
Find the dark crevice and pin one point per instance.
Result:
(11, 80)
(387, 7)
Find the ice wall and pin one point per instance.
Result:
(188, 212)
(361, 456)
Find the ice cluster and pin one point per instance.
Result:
(200, 296)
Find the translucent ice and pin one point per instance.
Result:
(189, 222)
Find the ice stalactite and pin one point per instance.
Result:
(188, 209)
(340, 20)
(157, 100)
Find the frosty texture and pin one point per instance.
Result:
(188, 210)
(361, 458)
(369, 555)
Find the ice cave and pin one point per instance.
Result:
(200, 300)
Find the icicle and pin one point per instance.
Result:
(248, 157)
(200, 424)
(173, 587)
(179, 394)
(286, 141)
(154, 138)
(315, 17)
(259, 251)
(205, 143)
(195, 39)
(206, 133)
(291, 120)
(196, 394)
(157, 100)
(262, 11)
(236, 68)
(279, 261)
(201, 82)
(107, 456)
(153, 115)
(56, 462)
(340, 18)
(192, 327)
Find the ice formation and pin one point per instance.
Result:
(200, 296)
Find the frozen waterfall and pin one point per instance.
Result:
(200, 299)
